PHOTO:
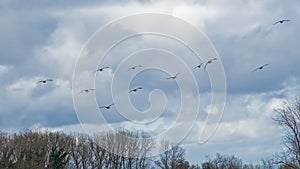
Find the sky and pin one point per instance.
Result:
(45, 39)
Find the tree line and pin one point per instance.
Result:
(56, 150)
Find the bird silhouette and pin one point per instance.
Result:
(87, 90)
(134, 67)
(106, 107)
(135, 89)
(260, 67)
(45, 81)
(281, 21)
(208, 62)
(174, 77)
(198, 66)
(102, 68)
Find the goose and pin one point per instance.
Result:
(102, 68)
(260, 67)
(281, 21)
(174, 77)
(106, 107)
(198, 66)
(134, 67)
(45, 81)
(135, 89)
(87, 90)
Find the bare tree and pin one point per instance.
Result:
(7, 154)
(222, 162)
(99, 154)
(80, 153)
(126, 149)
(31, 150)
(172, 157)
(288, 117)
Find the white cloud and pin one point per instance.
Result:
(65, 43)
(195, 13)
(4, 69)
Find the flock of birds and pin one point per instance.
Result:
(136, 89)
(204, 64)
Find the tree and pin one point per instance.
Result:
(31, 149)
(222, 162)
(80, 153)
(7, 154)
(58, 158)
(126, 149)
(58, 144)
(288, 117)
(172, 157)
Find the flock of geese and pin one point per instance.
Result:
(136, 89)
(204, 64)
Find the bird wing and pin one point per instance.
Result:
(209, 61)
(50, 80)
(213, 59)
(265, 65)
(255, 69)
(110, 105)
(101, 68)
(276, 23)
(206, 64)
(286, 20)
(131, 68)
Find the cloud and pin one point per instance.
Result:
(4, 69)
(26, 101)
(44, 40)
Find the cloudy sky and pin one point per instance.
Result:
(43, 40)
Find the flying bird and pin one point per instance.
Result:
(198, 66)
(106, 107)
(87, 90)
(134, 67)
(135, 89)
(281, 21)
(45, 81)
(208, 62)
(102, 68)
(174, 77)
(260, 67)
